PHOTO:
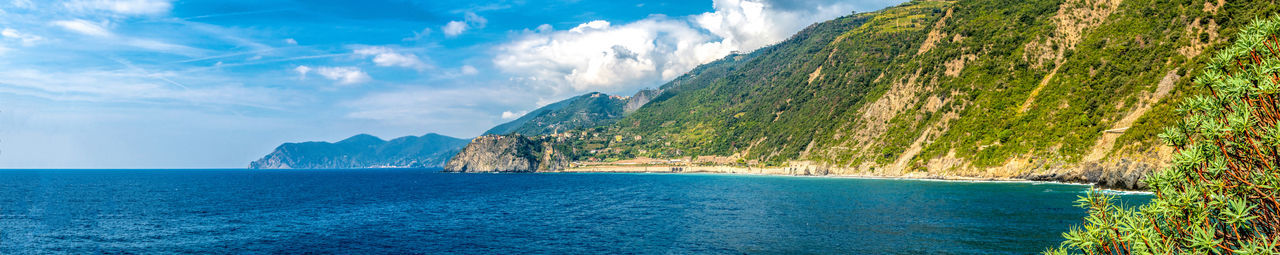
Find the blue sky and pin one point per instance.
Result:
(207, 84)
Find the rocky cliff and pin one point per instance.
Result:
(640, 99)
(509, 153)
(363, 151)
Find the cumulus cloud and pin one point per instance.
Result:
(84, 27)
(345, 75)
(383, 56)
(470, 20)
(125, 7)
(290, 41)
(302, 72)
(26, 39)
(454, 28)
(601, 56)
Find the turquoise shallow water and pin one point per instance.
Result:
(416, 211)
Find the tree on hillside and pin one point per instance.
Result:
(1221, 194)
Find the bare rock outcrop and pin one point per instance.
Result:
(640, 99)
(1120, 174)
(506, 153)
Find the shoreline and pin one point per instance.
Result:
(767, 172)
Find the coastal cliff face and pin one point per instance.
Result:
(640, 99)
(509, 153)
(363, 151)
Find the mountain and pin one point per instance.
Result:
(589, 110)
(1071, 90)
(364, 151)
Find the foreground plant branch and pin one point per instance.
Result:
(1220, 194)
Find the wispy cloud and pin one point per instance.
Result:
(384, 56)
(26, 39)
(24, 4)
(418, 36)
(131, 86)
(232, 14)
(345, 75)
(84, 27)
(126, 7)
(468, 70)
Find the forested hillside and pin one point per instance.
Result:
(1009, 88)
(590, 110)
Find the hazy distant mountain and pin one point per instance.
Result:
(364, 151)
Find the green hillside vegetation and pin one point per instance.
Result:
(1219, 196)
(590, 110)
(985, 83)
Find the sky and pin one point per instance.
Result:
(220, 83)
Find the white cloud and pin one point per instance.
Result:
(454, 28)
(470, 20)
(383, 56)
(100, 30)
(125, 7)
(27, 39)
(600, 56)
(163, 47)
(302, 72)
(469, 70)
(506, 115)
(290, 41)
(345, 75)
(84, 27)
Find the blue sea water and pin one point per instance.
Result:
(415, 211)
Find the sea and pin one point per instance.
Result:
(415, 211)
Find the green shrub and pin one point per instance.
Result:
(1220, 194)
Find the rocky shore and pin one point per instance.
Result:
(1127, 178)
(516, 153)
